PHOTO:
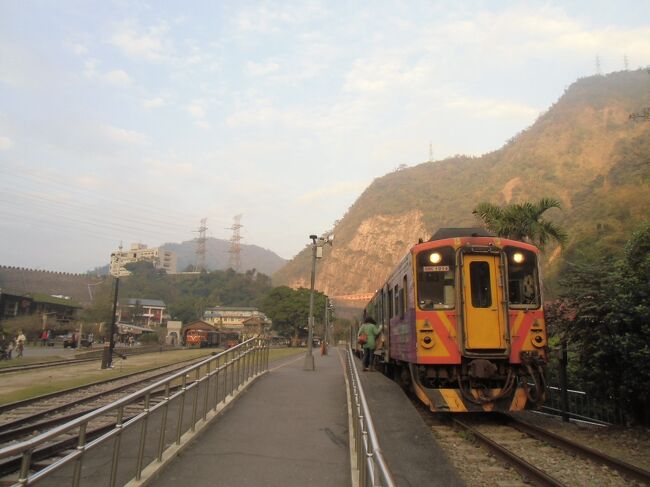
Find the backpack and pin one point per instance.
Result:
(363, 338)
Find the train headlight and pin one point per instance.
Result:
(435, 258)
(518, 257)
(427, 341)
(538, 341)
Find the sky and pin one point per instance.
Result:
(130, 121)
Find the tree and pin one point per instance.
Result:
(522, 221)
(609, 326)
(289, 309)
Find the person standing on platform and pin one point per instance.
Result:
(366, 336)
(20, 343)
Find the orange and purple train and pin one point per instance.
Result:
(463, 323)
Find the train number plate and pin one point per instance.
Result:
(436, 268)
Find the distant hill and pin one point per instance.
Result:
(217, 256)
(585, 151)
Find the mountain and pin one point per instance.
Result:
(584, 151)
(217, 256)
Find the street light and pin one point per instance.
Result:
(317, 244)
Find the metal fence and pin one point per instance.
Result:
(129, 440)
(370, 463)
(580, 406)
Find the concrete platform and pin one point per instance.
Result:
(413, 455)
(290, 428)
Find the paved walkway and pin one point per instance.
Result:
(289, 428)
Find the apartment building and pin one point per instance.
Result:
(160, 258)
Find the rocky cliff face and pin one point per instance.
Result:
(584, 151)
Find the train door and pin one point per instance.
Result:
(484, 315)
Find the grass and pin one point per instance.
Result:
(75, 376)
(15, 361)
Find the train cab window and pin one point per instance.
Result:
(436, 278)
(479, 275)
(523, 280)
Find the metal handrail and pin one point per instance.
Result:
(371, 465)
(250, 359)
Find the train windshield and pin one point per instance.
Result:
(523, 280)
(436, 270)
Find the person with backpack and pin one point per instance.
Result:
(366, 337)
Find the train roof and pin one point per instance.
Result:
(444, 233)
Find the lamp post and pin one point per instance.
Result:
(316, 253)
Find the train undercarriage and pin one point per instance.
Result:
(475, 385)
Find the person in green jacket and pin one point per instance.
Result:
(371, 330)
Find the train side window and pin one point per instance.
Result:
(396, 298)
(479, 275)
(436, 270)
(390, 303)
(523, 280)
(402, 299)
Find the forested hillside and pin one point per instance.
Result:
(584, 151)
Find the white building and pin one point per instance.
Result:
(160, 258)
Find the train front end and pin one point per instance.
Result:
(478, 325)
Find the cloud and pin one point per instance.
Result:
(79, 49)
(123, 136)
(261, 69)
(340, 188)
(87, 182)
(117, 77)
(149, 44)
(491, 108)
(5, 143)
(197, 110)
(265, 20)
(153, 102)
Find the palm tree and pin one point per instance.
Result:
(522, 221)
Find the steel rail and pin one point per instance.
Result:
(254, 350)
(371, 464)
(14, 429)
(26, 402)
(96, 355)
(532, 473)
(625, 468)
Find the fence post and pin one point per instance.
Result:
(564, 394)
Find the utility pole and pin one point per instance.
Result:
(235, 247)
(316, 253)
(200, 246)
(107, 358)
(430, 152)
(323, 347)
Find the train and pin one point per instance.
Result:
(204, 338)
(463, 323)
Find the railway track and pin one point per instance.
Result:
(25, 418)
(546, 459)
(96, 355)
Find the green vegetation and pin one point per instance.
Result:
(186, 297)
(604, 312)
(289, 309)
(522, 221)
